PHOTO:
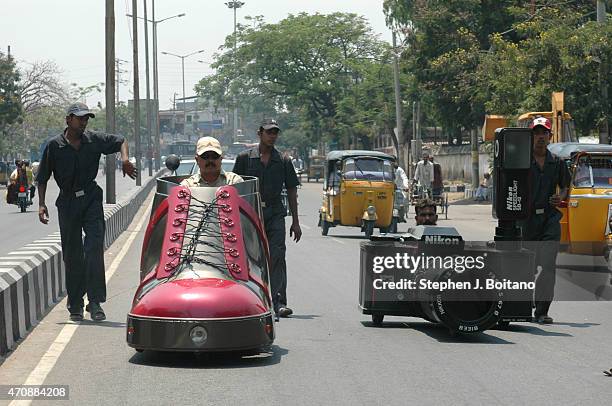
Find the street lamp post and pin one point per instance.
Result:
(154, 22)
(183, 69)
(235, 5)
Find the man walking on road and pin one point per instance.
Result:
(274, 171)
(73, 158)
(541, 230)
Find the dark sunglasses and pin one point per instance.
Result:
(210, 156)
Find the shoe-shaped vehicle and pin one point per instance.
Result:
(358, 191)
(204, 271)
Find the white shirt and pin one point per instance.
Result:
(424, 173)
(401, 180)
(297, 163)
(225, 178)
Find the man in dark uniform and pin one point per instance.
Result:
(542, 231)
(274, 171)
(73, 158)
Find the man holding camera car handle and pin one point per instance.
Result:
(549, 182)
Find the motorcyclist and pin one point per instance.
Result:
(21, 176)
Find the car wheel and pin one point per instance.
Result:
(377, 319)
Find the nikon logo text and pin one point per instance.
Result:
(436, 239)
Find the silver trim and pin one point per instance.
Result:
(591, 196)
(202, 320)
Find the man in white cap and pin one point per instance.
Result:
(208, 157)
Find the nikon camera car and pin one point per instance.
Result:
(431, 273)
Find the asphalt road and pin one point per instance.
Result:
(25, 227)
(329, 353)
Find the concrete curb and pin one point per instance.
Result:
(32, 279)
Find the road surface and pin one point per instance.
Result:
(327, 353)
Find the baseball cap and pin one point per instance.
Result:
(79, 110)
(208, 144)
(541, 121)
(268, 124)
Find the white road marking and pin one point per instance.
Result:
(305, 226)
(47, 362)
(339, 241)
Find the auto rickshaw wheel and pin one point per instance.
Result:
(393, 225)
(324, 227)
(377, 319)
(446, 207)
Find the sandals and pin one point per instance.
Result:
(96, 312)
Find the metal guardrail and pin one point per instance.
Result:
(32, 278)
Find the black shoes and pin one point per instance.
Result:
(76, 313)
(96, 312)
(285, 311)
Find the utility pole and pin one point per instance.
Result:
(604, 127)
(110, 97)
(155, 91)
(149, 151)
(235, 5)
(136, 93)
(401, 141)
(118, 72)
(183, 70)
(184, 104)
(475, 159)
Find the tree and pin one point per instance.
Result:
(557, 52)
(41, 87)
(305, 65)
(497, 56)
(10, 103)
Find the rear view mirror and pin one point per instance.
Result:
(172, 162)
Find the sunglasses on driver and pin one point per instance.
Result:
(210, 156)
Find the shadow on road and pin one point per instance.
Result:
(106, 323)
(210, 360)
(350, 237)
(304, 316)
(441, 333)
(535, 330)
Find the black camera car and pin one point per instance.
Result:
(432, 273)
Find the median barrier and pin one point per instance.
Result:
(32, 278)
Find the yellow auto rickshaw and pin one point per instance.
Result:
(358, 191)
(315, 169)
(585, 225)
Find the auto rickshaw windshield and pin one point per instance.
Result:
(594, 172)
(367, 169)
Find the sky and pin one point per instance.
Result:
(71, 33)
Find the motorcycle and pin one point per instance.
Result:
(20, 195)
